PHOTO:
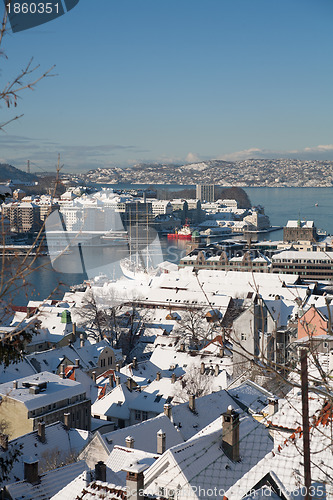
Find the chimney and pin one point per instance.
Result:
(67, 418)
(93, 376)
(117, 367)
(158, 376)
(41, 431)
(15, 384)
(191, 402)
(73, 331)
(117, 380)
(111, 380)
(31, 471)
(62, 371)
(173, 378)
(160, 442)
(182, 347)
(217, 370)
(135, 363)
(167, 410)
(77, 363)
(130, 383)
(100, 471)
(273, 405)
(81, 340)
(135, 481)
(202, 368)
(4, 441)
(221, 352)
(129, 442)
(230, 434)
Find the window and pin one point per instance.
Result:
(144, 415)
(243, 336)
(137, 415)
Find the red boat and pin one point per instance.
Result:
(183, 234)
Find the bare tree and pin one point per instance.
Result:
(193, 383)
(26, 79)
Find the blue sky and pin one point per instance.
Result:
(185, 80)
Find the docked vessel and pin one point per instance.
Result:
(184, 233)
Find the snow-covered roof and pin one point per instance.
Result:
(121, 458)
(57, 389)
(50, 483)
(286, 461)
(202, 463)
(190, 423)
(300, 223)
(60, 445)
(250, 396)
(115, 403)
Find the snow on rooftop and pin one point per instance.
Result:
(57, 389)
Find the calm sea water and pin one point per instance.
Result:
(281, 204)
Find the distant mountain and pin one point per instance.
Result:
(8, 172)
(204, 165)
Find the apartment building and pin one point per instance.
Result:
(44, 397)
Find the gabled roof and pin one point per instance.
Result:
(202, 463)
(286, 461)
(190, 423)
(50, 483)
(60, 445)
(250, 396)
(115, 403)
(122, 457)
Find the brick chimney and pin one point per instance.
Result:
(77, 363)
(81, 340)
(93, 376)
(173, 378)
(117, 380)
(131, 384)
(15, 384)
(129, 442)
(158, 376)
(73, 331)
(135, 481)
(230, 434)
(182, 347)
(100, 471)
(62, 371)
(160, 442)
(135, 363)
(167, 410)
(221, 352)
(117, 367)
(111, 380)
(217, 370)
(41, 431)
(202, 368)
(31, 471)
(273, 406)
(67, 421)
(191, 402)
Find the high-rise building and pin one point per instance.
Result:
(205, 192)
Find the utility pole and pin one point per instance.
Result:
(305, 418)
